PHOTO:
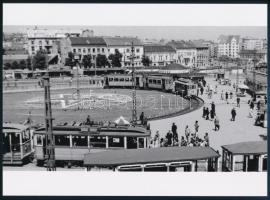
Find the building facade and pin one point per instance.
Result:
(252, 44)
(202, 57)
(123, 45)
(229, 45)
(160, 55)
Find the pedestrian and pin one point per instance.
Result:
(231, 95)
(233, 112)
(207, 114)
(187, 133)
(201, 90)
(222, 95)
(213, 107)
(226, 97)
(169, 138)
(156, 139)
(238, 101)
(142, 118)
(174, 133)
(183, 142)
(251, 104)
(88, 121)
(216, 123)
(212, 114)
(198, 90)
(259, 105)
(204, 112)
(206, 139)
(196, 126)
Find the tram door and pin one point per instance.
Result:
(253, 163)
(163, 84)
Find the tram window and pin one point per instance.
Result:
(116, 142)
(121, 79)
(39, 140)
(131, 143)
(159, 82)
(98, 142)
(94, 82)
(26, 136)
(127, 79)
(116, 79)
(141, 142)
(264, 165)
(110, 79)
(150, 81)
(155, 168)
(62, 140)
(79, 141)
(154, 81)
(90, 82)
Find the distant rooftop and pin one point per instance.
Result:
(223, 39)
(122, 41)
(87, 41)
(158, 48)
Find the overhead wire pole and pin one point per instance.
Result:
(254, 77)
(50, 151)
(134, 106)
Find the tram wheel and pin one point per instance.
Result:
(40, 163)
(31, 158)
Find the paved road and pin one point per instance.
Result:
(242, 129)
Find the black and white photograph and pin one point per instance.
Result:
(98, 90)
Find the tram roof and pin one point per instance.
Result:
(247, 148)
(97, 130)
(13, 127)
(152, 155)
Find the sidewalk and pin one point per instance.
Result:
(242, 129)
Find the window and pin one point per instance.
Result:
(98, 50)
(84, 51)
(79, 50)
(141, 142)
(40, 47)
(154, 81)
(89, 50)
(102, 50)
(110, 79)
(94, 50)
(39, 139)
(74, 50)
(62, 140)
(47, 42)
(98, 141)
(79, 141)
(150, 81)
(116, 142)
(137, 50)
(127, 50)
(32, 42)
(115, 79)
(33, 48)
(127, 79)
(108, 50)
(40, 43)
(121, 79)
(159, 82)
(264, 164)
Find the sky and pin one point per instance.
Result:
(155, 21)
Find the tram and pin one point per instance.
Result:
(169, 159)
(123, 81)
(72, 142)
(245, 156)
(185, 87)
(160, 82)
(17, 144)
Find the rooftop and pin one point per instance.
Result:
(152, 155)
(244, 148)
(158, 48)
(122, 41)
(87, 41)
(223, 39)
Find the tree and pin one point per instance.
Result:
(7, 66)
(70, 60)
(116, 58)
(15, 65)
(146, 61)
(22, 64)
(39, 60)
(87, 61)
(102, 61)
(28, 63)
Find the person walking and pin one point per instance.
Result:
(231, 95)
(216, 123)
(259, 105)
(174, 133)
(201, 90)
(226, 97)
(169, 138)
(204, 112)
(233, 112)
(207, 114)
(222, 95)
(212, 114)
(213, 107)
(251, 105)
(196, 126)
(183, 142)
(156, 139)
(206, 139)
(238, 101)
(187, 133)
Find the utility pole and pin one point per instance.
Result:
(78, 81)
(254, 77)
(237, 78)
(134, 106)
(50, 152)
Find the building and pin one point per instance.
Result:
(229, 45)
(186, 53)
(247, 56)
(84, 46)
(202, 57)
(123, 45)
(87, 33)
(160, 55)
(252, 44)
